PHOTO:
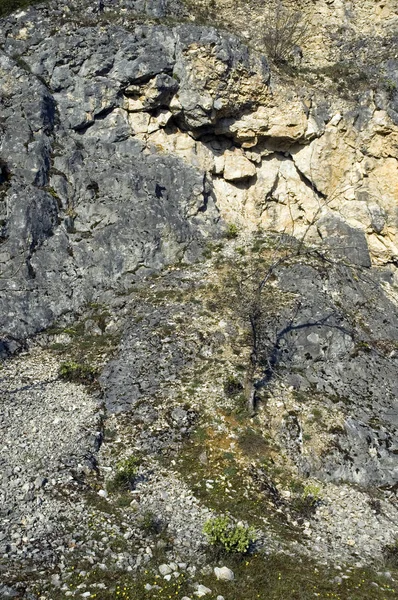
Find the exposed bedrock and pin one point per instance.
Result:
(127, 146)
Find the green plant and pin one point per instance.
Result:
(232, 231)
(391, 554)
(50, 190)
(316, 414)
(222, 532)
(150, 524)
(126, 474)
(77, 372)
(313, 492)
(9, 6)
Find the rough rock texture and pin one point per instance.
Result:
(49, 434)
(149, 162)
(103, 120)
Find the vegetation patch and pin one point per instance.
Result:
(77, 372)
(224, 533)
(126, 474)
(9, 6)
(232, 231)
(257, 577)
(87, 340)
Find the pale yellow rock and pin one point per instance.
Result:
(382, 122)
(219, 164)
(163, 117)
(133, 104)
(383, 185)
(381, 248)
(267, 174)
(22, 34)
(139, 122)
(231, 202)
(175, 105)
(237, 166)
(326, 162)
(183, 146)
(281, 163)
(285, 121)
(249, 127)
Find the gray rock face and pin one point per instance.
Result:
(341, 345)
(86, 206)
(345, 242)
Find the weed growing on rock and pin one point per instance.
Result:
(306, 502)
(286, 30)
(78, 373)
(126, 473)
(391, 555)
(232, 231)
(311, 490)
(222, 532)
(150, 524)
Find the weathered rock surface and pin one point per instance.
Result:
(100, 135)
(128, 143)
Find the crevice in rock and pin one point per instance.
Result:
(308, 182)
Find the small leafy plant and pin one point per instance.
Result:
(306, 503)
(222, 532)
(232, 231)
(313, 491)
(126, 474)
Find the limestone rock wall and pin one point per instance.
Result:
(124, 145)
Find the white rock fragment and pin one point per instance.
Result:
(55, 580)
(224, 573)
(237, 166)
(165, 569)
(202, 590)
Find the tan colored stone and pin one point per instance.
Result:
(237, 166)
(133, 104)
(326, 162)
(185, 147)
(139, 122)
